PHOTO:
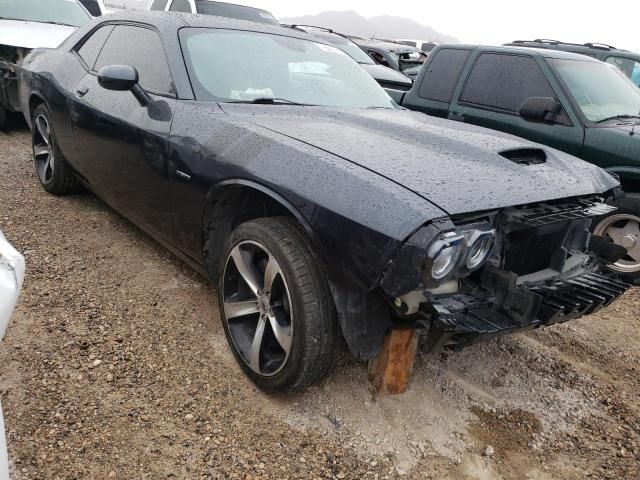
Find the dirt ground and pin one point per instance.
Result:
(116, 366)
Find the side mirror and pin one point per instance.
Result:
(118, 77)
(122, 78)
(540, 109)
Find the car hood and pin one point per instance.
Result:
(386, 74)
(455, 166)
(19, 33)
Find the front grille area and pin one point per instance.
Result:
(531, 250)
(549, 213)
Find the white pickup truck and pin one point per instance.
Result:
(29, 24)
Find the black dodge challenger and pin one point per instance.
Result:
(277, 166)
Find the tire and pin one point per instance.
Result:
(625, 220)
(4, 117)
(296, 310)
(53, 171)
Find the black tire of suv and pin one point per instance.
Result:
(629, 204)
(315, 337)
(63, 180)
(4, 117)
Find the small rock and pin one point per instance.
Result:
(489, 451)
(188, 416)
(96, 363)
(109, 377)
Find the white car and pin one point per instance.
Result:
(11, 278)
(29, 24)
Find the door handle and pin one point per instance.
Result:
(82, 90)
(182, 175)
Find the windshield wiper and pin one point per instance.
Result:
(271, 101)
(619, 117)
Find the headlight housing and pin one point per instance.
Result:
(460, 252)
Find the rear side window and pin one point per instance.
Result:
(90, 49)
(180, 6)
(629, 66)
(504, 82)
(140, 48)
(158, 5)
(442, 77)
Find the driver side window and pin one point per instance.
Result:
(142, 49)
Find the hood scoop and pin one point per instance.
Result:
(525, 156)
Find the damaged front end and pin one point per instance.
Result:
(10, 59)
(463, 280)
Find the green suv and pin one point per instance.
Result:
(572, 102)
(628, 62)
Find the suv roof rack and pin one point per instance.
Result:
(600, 46)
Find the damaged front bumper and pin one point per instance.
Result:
(503, 307)
(10, 59)
(545, 268)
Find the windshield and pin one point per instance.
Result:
(230, 10)
(66, 12)
(232, 66)
(601, 90)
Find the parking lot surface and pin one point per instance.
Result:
(116, 366)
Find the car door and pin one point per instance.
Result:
(122, 144)
(495, 89)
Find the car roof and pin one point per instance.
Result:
(168, 21)
(586, 48)
(536, 52)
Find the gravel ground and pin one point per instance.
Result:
(116, 366)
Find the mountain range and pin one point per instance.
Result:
(385, 26)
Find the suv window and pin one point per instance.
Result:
(90, 49)
(158, 5)
(504, 82)
(141, 48)
(180, 6)
(442, 76)
(629, 67)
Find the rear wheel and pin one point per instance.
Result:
(54, 173)
(275, 305)
(623, 227)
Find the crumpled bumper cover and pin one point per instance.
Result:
(462, 320)
(11, 278)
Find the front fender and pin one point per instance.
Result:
(626, 172)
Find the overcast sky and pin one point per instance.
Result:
(615, 22)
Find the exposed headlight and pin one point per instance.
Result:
(479, 247)
(444, 254)
(460, 252)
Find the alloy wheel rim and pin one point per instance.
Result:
(624, 230)
(257, 308)
(43, 151)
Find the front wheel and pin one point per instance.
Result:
(275, 305)
(54, 173)
(623, 227)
